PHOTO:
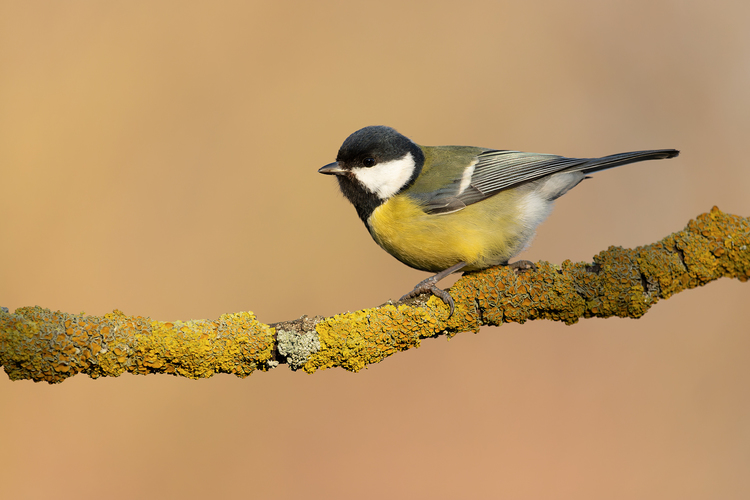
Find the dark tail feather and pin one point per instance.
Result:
(597, 164)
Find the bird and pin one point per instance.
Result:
(445, 209)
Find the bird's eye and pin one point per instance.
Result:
(369, 162)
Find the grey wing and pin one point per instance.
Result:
(494, 171)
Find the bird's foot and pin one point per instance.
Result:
(428, 286)
(522, 265)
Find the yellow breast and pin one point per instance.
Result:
(482, 235)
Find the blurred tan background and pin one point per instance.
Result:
(161, 157)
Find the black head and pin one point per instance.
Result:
(373, 164)
(377, 143)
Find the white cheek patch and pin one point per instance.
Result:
(386, 179)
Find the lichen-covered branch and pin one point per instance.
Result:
(43, 345)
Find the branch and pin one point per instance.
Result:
(40, 344)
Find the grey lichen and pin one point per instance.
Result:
(296, 347)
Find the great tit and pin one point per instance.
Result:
(456, 208)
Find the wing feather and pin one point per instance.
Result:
(495, 171)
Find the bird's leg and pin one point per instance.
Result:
(428, 286)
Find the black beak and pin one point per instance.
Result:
(332, 169)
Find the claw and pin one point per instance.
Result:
(425, 287)
(522, 265)
(428, 286)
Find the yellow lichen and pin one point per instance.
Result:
(40, 344)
